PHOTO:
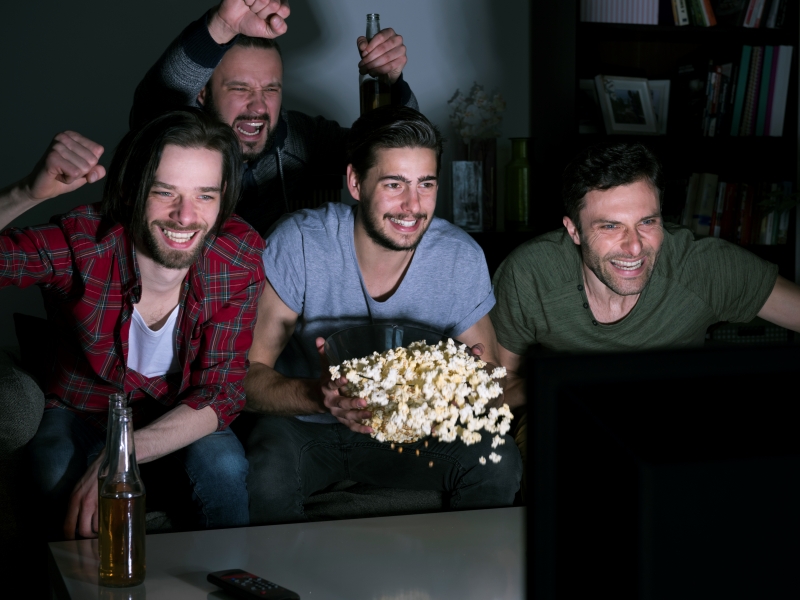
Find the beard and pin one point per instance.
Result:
(372, 225)
(600, 266)
(171, 258)
(250, 150)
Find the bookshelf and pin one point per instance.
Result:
(566, 50)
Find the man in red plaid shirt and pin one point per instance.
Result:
(152, 293)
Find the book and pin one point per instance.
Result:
(691, 201)
(746, 214)
(763, 94)
(719, 206)
(730, 213)
(751, 93)
(708, 13)
(682, 11)
(753, 15)
(729, 12)
(725, 102)
(782, 75)
(696, 13)
(641, 12)
(772, 17)
(741, 85)
(706, 200)
(771, 94)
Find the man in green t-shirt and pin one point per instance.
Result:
(617, 278)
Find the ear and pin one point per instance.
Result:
(201, 97)
(353, 183)
(572, 231)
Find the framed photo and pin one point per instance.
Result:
(659, 95)
(626, 105)
(589, 118)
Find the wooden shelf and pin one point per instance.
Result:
(719, 34)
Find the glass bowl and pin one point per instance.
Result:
(363, 340)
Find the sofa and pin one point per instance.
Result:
(21, 407)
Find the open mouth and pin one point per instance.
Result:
(179, 237)
(250, 128)
(403, 222)
(627, 265)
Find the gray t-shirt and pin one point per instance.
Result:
(541, 297)
(310, 260)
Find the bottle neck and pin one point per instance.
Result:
(373, 26)
(519, 147)
(122, 467)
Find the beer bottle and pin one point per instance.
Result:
(121, 510)
(114, 401)
(374, 92)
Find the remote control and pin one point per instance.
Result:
(248, 586)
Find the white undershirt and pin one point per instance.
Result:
(152, 353)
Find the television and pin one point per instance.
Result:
(666, 474)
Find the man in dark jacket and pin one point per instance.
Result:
(228, 62)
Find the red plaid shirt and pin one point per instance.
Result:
(87, 271)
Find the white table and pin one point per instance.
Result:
(476, 554)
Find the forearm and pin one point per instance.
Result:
(174, 430)
(269, 392)
(14, 201)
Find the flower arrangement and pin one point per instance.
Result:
(477, 115)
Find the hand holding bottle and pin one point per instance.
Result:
(256, 18)
(383, 55)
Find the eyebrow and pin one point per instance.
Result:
(249, 84)
(406, 180)
(200, 189)
(609, 221)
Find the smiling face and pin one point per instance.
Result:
(182, 206)
(245, 91)
(621, 235)
(397, 196)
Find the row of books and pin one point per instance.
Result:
(701, 13)
(748, 98)
(743, 213)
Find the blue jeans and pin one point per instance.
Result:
(291, 459)
(211, 471)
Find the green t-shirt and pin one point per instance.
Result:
(540, 295)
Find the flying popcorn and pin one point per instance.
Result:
(423, 390)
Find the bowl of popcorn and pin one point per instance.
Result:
(419, 383)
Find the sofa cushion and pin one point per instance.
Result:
(21, 407)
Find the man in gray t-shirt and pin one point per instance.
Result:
(386, 260)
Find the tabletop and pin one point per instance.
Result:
(476, 554)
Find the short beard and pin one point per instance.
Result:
(597, 265)
(249, 152)
(167, 257)
(373, 229)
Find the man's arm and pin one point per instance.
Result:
(174, 430)
(70, 162)
(783, 305)
(269, 392)
(179, 75)
(482, 339)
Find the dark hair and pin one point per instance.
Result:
(605, 166)
(136, 159)
(245, 41)
(390, 127)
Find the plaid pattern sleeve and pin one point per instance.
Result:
(233, 281)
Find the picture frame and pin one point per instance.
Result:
(590, 120)
(626, 105)
(659, 96)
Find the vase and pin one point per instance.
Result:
(517, 178)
